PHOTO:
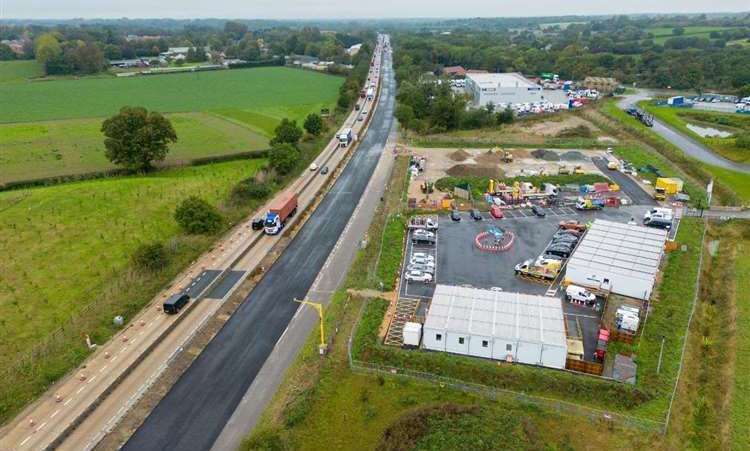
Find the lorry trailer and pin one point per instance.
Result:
(283, 208)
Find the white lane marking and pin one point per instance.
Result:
(114, 358)
(80, 390)
(55, 414)
(25, 440)
(103, 368)
(67, 402)
(91, 380)
(41, 426)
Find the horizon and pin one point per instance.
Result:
(338, 10)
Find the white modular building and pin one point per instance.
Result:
(496, 325)
(508, 88)
(623, 258)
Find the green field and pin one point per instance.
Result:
(65, 243)
(661, 34)
(17, 71)
(258, 89)
(740, 408)
(51, 128)
(54, 148)
(679, 118)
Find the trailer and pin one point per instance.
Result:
(283, 208)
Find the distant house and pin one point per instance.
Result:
(16, 45)
(179, 53)
(135, 37)
(124, 64)
(454, 71)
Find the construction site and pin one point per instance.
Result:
(515, 235)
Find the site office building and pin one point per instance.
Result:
(496, 325)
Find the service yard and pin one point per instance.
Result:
(457, 261)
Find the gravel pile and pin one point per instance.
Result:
(573, 155)
(547, 155)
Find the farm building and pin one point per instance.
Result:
(496, 325)
(507, 88)
(623, 258)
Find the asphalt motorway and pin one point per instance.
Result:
(689, 146)
(193, 413)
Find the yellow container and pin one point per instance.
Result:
(670, 185)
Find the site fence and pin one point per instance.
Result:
(595, 415)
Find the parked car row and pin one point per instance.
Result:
(421, 268)
(565, 239)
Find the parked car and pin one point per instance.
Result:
(422, 268)
(324, 170)
(455, 216)
(567, 239)
(572, 224)
(579, 294)
(424, 240)
(418, 276)
(539, 211)
(561, 250)
(496, 212)
(257, 224)
(423, 232)
(422, 261)
(424, 255)
(475, 215)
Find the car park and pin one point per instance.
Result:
(538, 211)
(475, 214)
(455, 216)
(418, 276)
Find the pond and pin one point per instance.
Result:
(708, 132)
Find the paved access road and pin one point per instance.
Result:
(628, 186)
(193, 413)
(688, 145)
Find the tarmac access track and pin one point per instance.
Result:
(630, 187)
(194, 412)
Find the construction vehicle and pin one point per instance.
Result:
(427, 187)
(578, 169)
(660, 193)
(541, 268)
(283, 208)
(614, 187)
(507, 157)
(587, 203)
(564, 170)
(613, 165)
(671, 185)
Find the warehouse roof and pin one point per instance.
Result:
(497, 314)
(505, 80)
(617, 248)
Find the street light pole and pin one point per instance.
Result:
(319, 307)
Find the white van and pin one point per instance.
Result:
(658, 212)
(574, 293)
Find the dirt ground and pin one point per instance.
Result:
(442, 162)
(552, 127)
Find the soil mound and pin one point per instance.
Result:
(459, 155)
(546, 155)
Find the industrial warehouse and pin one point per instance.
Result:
(508, 88)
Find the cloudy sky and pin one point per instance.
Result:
(289, 9)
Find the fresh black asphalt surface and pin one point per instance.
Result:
(191, 416)
(627, 185)
(226, 284)
(200, 282)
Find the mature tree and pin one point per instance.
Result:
(47, 48)
(236, 30)
(287, 132)
(744, 91)
(84, 57)
(135, 138)
(313, 124)
(6, 53)
(283, 158)
(678, 31)
(196, 216)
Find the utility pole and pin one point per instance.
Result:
(322, 347)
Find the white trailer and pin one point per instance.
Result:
(496, 324)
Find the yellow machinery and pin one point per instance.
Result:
(614, 187)
(491, 187)
(578, 169)
(323, 347)
(564, 170)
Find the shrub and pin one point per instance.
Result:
(249, 189)
(580, 131)
(313, 124)
(287, 132)
(150, 257)
(743, 141)
(197, 216)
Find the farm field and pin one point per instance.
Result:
(18, 71)
(50, 129)
(740, 420)
(252, 89)
(68, 242)
(55, 148)
(661, 34)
